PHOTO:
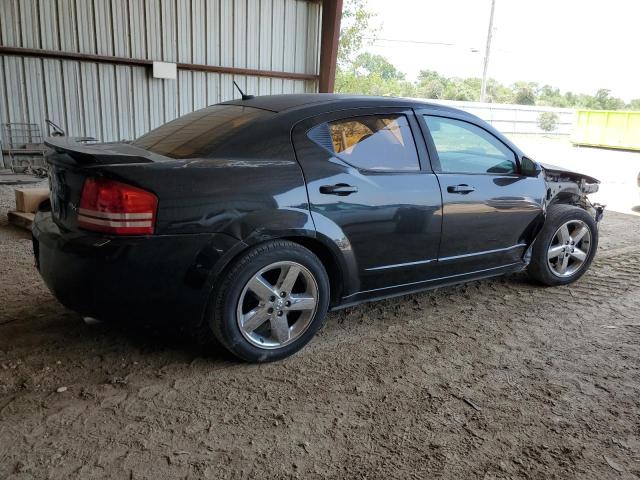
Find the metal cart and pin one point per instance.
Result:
(22, 145)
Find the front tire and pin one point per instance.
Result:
(565, 247)
(271, 302)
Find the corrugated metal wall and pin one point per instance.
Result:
(113, 102)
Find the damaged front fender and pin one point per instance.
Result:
(566, 186)
(563, 182)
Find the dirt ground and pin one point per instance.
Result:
(494, 379)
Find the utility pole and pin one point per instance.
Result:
(483, 89)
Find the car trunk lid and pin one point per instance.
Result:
(72, 160)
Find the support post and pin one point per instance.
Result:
(331, 16)
(483, 88)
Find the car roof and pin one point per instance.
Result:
(293, 108)
(331, 101)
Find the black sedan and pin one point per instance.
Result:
(250, 219)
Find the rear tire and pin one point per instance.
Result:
(565, 247)
(271, 302)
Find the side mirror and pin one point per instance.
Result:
(529, 168)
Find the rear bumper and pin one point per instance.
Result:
(168, 276)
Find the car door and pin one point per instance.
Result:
(372, 190)
(489, 207)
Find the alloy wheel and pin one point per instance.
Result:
(277, 305)
(569, 248)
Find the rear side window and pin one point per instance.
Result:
(199, 133)
(465, 148)
(372, 142)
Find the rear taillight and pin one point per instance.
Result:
(115, 207)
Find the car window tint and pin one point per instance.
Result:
(465, 148)
(198, 133)
(372, 142)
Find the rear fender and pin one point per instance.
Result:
(295, 225)
(298, 223)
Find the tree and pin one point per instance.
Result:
(551, 96)
(464, 89)
(602, 100)
(356, 27)
(368, 63)
(372, 74)
(498, 93)
(430, 84)
(525, 93)
(350, 81)
(548, 121)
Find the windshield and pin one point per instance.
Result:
(198, 133)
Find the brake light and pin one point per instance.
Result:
(115, 207)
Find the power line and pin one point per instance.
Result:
(421, 42)
(399, 40)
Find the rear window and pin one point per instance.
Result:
(199, 133)
(371, 142)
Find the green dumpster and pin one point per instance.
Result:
(610, 129)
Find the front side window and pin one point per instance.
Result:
(371, 142)
(465, 148)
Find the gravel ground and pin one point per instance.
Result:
(493, 379)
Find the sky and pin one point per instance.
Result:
(575, 45)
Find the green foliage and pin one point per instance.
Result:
(551, 96)
(525, 93)
(369, 63)
(498, 93)
(548, 121)
(371, 74)
(356, 25)
(604, 101)
(372, 84)
(431, 84)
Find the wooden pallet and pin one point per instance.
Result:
(20, 219)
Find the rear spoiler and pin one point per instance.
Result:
(84, 153)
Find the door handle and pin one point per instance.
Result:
(464, 188)
(341, 189)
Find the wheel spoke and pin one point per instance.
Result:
(579, 233)
(563, 233)
(261, 288)
(264, 310)
(579, 254)
(302, 302)
(288, 278)
(255, 318)
(565, 258)
(555, 251)
(562, 264)
(280, 328)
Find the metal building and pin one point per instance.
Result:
(87, 64)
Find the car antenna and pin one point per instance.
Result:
(244, 96)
